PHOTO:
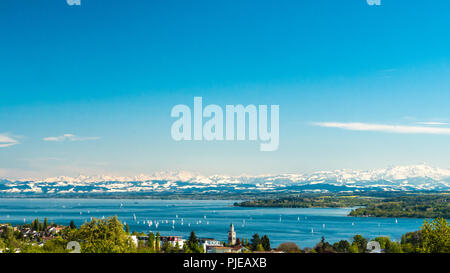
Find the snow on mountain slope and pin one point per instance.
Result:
(416, 177)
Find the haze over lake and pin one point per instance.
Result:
(210, 218)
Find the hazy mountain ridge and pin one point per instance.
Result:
(399, 178)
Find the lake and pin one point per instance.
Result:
(210, 218)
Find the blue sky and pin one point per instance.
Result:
(107, 73)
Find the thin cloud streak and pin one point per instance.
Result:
(7, 141)
(398, 129)
(69, 137)
(432, 123)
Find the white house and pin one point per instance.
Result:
(208, 243)
(140, 238)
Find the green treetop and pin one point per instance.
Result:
(104, 236)
(435, 236)
(256, 240)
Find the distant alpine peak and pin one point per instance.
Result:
(421, 177)
(166, 175)
(421, 170)
(391, 173)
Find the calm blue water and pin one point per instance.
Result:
(280, 224)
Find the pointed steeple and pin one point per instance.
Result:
(231, 235)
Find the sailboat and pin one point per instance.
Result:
(396, 221)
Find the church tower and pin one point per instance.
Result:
(231, 236)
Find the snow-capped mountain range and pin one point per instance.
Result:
(399, 178)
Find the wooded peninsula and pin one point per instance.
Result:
(407, 205)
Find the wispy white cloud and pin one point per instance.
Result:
(7, 141)
(399, 129)
(432, 123)
(69, 137)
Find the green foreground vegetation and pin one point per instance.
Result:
(371, 205)
(111, 236)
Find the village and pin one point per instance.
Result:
(208, 245)
(37, 234)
